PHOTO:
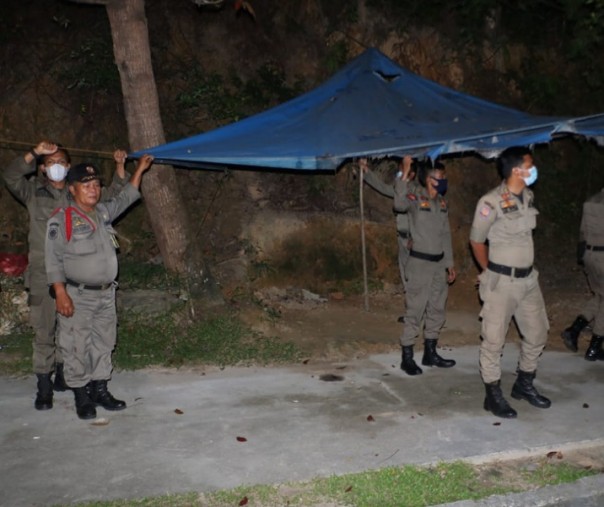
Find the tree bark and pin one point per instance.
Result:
(168, 216)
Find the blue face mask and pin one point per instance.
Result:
(441, 185)
(532, 177)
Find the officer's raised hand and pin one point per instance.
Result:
(63, 302)
(42, 148)
(120, 163)
(142, 165)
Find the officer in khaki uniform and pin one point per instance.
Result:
(402, 220)
(429, 269)
(591, 255)
(42, 195)
(509, 285)
(81, 265)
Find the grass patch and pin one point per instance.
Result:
(407, 486)
(16, 353)
(221, 340)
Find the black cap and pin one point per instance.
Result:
(82, 173)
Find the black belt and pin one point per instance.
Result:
(595, 248)
(105, 286)
(509, 271)
(425, 256)
(404, 234)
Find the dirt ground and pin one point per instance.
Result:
(338, 327)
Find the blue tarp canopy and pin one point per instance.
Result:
(370, 108)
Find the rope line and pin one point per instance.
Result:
(11, 143)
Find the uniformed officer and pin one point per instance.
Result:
(402, 220)
(508, 283)
(591, 255)
(42, 195)
(429, 268)
(81, 265)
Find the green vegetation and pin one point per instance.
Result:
(228, 99)
(91, 66)
(407, 486)
(171, 340)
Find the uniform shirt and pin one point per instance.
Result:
(592, 220)
(89, 255)
(428, 219)
(41, 200)
(375, 182)
(508, 223)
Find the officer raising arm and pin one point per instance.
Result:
(508, 283)
(81, 266)
(42, 193)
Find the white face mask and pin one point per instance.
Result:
(56, 172)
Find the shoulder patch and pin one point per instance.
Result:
(485, 211)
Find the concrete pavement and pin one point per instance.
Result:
(200, 431)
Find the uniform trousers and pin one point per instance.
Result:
(88, 337)
(43, 320)
(426, 298)
(594, 267)
(505, 297)
(403, 256)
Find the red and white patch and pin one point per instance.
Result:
(485, 211)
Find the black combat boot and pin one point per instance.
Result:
(409, 366)
(59, 383)
(431, 357)
(524, 389)
(101, 396)
(571, 334)
(84, 405)
(44, 394)
(496, 403)
(595, 352)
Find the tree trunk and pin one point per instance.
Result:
(167, 212)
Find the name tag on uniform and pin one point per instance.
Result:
(508, 206)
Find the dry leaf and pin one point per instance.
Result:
(552, 454)
(370, 418)
(243, 501)
(178, 411)
(349, 488)
(101, 421)
(496, 424)
(241, 439)
(330, 377)
(585, 405)
(305, 361)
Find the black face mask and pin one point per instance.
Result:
(441, 185)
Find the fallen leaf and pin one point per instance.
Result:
(330, 377)
(241, 439)
(305, 361)
(340, 367)
(585, 405)
(552, 454)
(420, 414)
(139, 398)
(370, 418)
(496, 424)
(243, 501)
(178, 411)
(349, 488)
(101, 421)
